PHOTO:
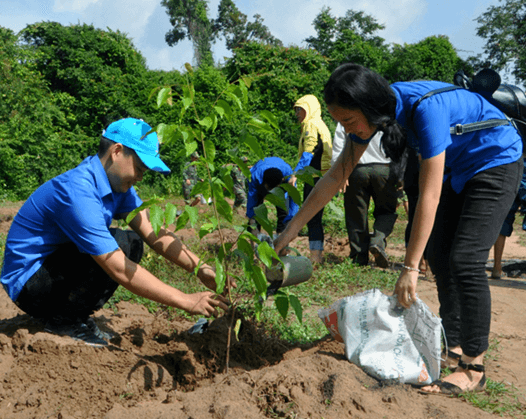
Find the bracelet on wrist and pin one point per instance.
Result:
(408, 268)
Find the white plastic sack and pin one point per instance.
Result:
(387, 341)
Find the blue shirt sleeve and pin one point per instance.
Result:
(305, 160)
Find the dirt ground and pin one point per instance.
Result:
(155, 369)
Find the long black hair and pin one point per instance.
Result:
(352, 86)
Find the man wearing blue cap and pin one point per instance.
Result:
(62, 260)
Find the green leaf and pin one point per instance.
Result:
(306, 174)
(260, 281)
(170, 213)
(205, 229)
(167, 134)
(223, 109)
(164, 96)
(266, 254)
(193, 214)
(282, 304)
(144, 205)
(261, 216)
(260, 126)
(234, 99)
(214, 121)
(245, 248)
(293, 193)
(224, 208)
(182, 221)
(296, 305)
(220, 278)
(206, 122)
(210, 151)
(277, 197)
(156, 218)
(252, 142)
(271, 119)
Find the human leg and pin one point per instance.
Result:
(466, 227)
(498, 250)
(385, 197)
(500, 243)
(356, 204)
(70, 285)
(315, 227)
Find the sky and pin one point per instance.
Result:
(146, 21)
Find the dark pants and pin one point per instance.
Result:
(366, 182)
(466, 227)
(280, 213)
(70, 285)
(315, 225)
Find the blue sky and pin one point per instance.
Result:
(146, 21)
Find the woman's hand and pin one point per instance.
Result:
(405, 288)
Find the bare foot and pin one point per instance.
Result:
(496, 274)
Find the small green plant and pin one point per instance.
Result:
(217, 185)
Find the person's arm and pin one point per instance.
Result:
(138, 280)
(430, 187)
(322, 193)
(168, 245)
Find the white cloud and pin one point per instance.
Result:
(72, 5)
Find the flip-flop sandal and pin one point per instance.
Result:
(449, 389)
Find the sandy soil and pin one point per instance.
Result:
(155, 369)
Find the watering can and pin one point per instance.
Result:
(295, 270)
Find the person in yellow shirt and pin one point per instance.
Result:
(315, 150)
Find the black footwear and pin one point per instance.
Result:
(448, 389)
(99, 333)
(380, 257)
(454, 359)
(78, 331)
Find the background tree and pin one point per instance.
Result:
(433, 58)
(237, 30)
(189, 19)
(36, 143)
(101, 70)
(504, 29)
(351, 38)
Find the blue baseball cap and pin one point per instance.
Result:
(131, 133)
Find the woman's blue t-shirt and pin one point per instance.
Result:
(429, 134)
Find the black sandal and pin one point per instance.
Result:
(448, 389)
(452, 355)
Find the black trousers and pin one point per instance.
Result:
(315, 226)
(70, 285)
(466, 227)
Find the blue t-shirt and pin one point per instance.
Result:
(467, 154)
(77, 206)
(256, 189)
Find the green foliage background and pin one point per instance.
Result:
(61, 85)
